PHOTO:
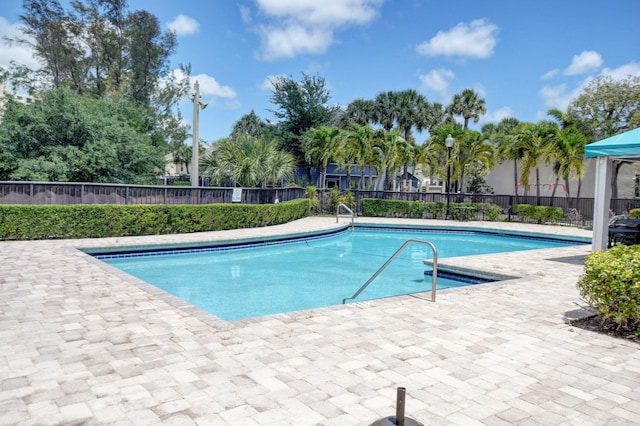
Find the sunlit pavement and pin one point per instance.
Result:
(82, 343)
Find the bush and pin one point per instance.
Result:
(634, 214)
(436, 209)
(20, 222)
(611, 284)
(312, 194)
(375, 207)
(490, 211)
(538, 214)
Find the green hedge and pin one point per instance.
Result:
(611, 284)
(20, 222)
(539, 214)
(376, 207)
(634, 214)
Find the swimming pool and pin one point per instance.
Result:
(241, 280)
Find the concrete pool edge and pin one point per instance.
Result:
(328, 227)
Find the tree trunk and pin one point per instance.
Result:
(566, 182)
(515, 175)
(538, 186)
(614, 178)
(555, 185)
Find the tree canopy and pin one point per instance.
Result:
(77, 139)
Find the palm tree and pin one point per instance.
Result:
(320, 146)
(534, 141)
(469, 105)
(567, 153)
(358, 145)
(248, 162)
(182, 155)
(359, 111)
(384, 110)
(389, 146)
(437, 152)
(474, 154)
(409, 108)
(503, 136)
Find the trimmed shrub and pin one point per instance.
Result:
(20, 222)
(375, 207)
(611, 284)
(538, 214)
(634, 214)
(490, 211)
(436, 209)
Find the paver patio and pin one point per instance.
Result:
(82, 343)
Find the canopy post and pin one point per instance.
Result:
(601, 203)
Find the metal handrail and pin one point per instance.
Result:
(351, 213)
(383, 267)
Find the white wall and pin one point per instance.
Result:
(501, 179)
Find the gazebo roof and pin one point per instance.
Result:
(624, 145)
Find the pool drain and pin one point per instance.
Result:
(399, 419)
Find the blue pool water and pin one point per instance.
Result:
(240, 281)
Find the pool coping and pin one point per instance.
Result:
(82, 344)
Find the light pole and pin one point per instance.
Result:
(449, 142)
(195, 144)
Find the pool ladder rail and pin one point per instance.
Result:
(351, 214)
(392, 258)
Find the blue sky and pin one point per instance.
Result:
(523, 57)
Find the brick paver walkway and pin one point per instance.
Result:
(81, 343)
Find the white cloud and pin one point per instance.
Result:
(245, 13)
(293, 40)
(184, 25)
(497, 115)
(20, 54)
(437, 81)
(559, 96)
(332, 13)
(624, 71)
(550, 74)
(296, 27)
(209, 86)
(584, 63)
(476, 39)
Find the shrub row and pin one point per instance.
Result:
(376, 207)
(611, 285)
(20, 222)
(538, 214)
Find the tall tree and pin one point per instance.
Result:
(469, 105)
(301, 105)
(475, 154)
(384, 110)
(534, 140)
(507, 148)
(320, 146)
(567, 154)
(359, 112)
(606, 107)
(72, 138)
(249, 124)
